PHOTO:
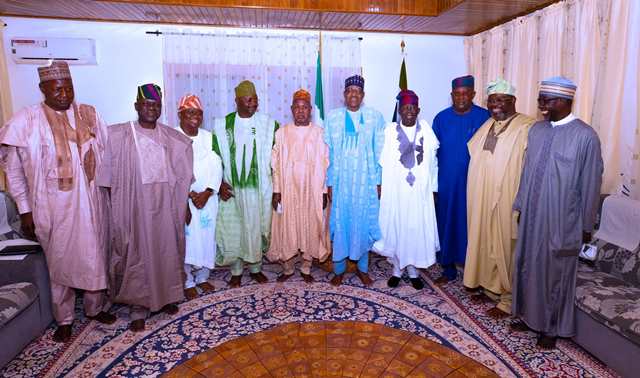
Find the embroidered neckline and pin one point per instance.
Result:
(407, 150)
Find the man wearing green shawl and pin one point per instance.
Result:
(243, 139)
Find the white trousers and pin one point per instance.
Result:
(411, 270)
(195, 275)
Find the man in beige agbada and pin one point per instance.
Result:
(497, 153)
(148, 167)
(50, 152)
(299, 159)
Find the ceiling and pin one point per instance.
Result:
(457, 17)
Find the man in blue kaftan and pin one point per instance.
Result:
(355, 135)
(454, 127)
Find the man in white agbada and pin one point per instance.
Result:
(200, 230)
(409, 181)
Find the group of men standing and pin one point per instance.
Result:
(517, 201)
(144, 211)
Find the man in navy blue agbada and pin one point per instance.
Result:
(454, 127)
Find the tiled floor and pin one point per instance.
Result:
(330, 349)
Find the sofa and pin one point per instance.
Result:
(608, 307)
(25, 295)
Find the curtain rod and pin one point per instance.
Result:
(159, 33)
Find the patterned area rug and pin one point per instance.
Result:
(445, 315)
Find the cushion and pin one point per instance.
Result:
(14, 298)
(609, 300)
(619, 262)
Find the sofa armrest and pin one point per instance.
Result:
(32, 268)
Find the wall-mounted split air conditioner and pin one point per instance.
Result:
(30, 50)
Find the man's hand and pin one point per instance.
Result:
(226, 191)
(27, 225)
(379, 188)
(329, 194)
(200, 199)
(586, 237)
(325, 200)
(275, 200)
(188, 220)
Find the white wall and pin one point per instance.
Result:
(432, 61)
(127, 57)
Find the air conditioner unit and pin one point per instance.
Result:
(29, 50)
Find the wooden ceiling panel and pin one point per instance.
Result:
(400, 7)
(458, 17)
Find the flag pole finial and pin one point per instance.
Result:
(402, 45)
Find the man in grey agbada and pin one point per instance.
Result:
(557, 199)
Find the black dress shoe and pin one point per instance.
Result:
(62, 334)
(519, 326)
(417, 283)
(393, 281)
(235, 281)
(170, 309)
(546, 342)
(259, 277)
(137, 325)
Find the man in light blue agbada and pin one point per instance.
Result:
(355, 136)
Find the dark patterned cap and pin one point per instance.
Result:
(356, 80)
(407, 96)
(149, 92)
(463, 81)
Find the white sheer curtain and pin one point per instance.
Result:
(596, 44)
(630, 175)
(607, 114)
(520, 71)
(496, 55)
(210, 65)
(552, 33)
(474, 49)
(587, 57)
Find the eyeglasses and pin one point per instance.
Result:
(546, 100)
(499, 100)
